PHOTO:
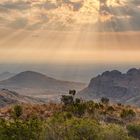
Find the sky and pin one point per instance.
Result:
(69, 39)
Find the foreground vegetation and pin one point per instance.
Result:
(73, 119)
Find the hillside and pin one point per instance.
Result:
(38, 85)
(8, 97)
(76, 120)
(117, 86)
(5, 75)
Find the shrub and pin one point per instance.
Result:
(127, 114)
(119, 104)
(20, 130)
(17, 111)
(134, 130)
(59, 128)
(72, 92)
(77, 101)
(79, 109)
(90, 107)
(67, 99)
(114, 132)
(104, 100)
(110, 109)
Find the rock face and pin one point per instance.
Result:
(116, 86)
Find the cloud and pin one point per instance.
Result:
(18, 23)
(17, 5)
(113, 15)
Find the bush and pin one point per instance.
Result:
(127, 114)
(110, 109)
(20, 130)
(60, 128)
(79, 109)
(67, 99)
(104, 100)
(134, 130)
(17, 111)
(114, 132)
(72, 92)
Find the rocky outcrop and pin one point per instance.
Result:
(120, 87)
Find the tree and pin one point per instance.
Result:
(72, 92)
(104, 100)
(69, 99)
(17, 111)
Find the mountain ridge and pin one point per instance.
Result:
(119, 87)
(30, 82)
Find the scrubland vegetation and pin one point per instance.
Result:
(73, 119)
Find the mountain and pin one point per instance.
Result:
(6, 75)
(37, 84)
(117, 86)
(8, 97)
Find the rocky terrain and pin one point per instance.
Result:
(8, 97)
(119, 87)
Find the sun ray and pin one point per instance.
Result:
(63, 29)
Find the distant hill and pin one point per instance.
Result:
(37, 83)
(6, 75)
(8, 97)
(119, 87)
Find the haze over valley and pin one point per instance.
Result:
(69, 40)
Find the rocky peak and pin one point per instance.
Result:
(115, 85)
(106, 77)
(113, 73)
(133, 72)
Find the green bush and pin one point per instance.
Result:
(114, 132)
(60, 128)
(17, 111)
(134, 130)
(20, 130)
